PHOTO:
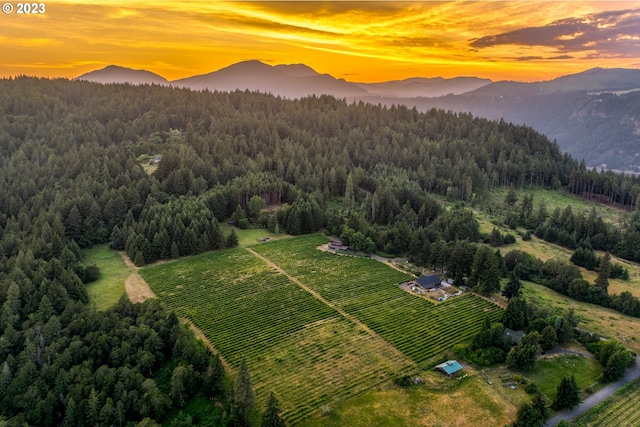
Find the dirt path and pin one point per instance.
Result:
(388, 262)
(200, 335)
(320, 298)
(631, 374)
(137, 288)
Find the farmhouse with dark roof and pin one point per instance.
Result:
(428, 282)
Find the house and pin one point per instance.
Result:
(450, 367)
(514, 336)
(428, 282)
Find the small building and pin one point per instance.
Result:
(428, 282)
(514, 336)
(450, 367)
(337, 246)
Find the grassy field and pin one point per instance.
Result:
(250, 236)
(315, 346)
(494, 203)
(436, 403)
(619, 410)
(107, 290)
(549, 371)
(603, 321)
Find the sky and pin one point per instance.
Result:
(358, 41)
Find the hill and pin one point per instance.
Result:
(592, 115)
(424, 87)
(116, 74)
(290, 81)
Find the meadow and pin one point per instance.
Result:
(107, 290)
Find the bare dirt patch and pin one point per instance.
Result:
(137, 288)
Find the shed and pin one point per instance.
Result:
(430, 281)
(450, 367)
(514, 336)
(337, 246)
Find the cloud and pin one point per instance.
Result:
(537, 58)
(605, 34)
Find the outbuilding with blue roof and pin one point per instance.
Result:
(450, 367)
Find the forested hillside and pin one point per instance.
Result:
(70, 177)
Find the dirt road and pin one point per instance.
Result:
(137, 289)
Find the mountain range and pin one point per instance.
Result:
(593, 115)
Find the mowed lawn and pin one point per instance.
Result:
(107, 290)
(312, 351)
(549, 371)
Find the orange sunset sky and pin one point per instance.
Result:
(358, 41)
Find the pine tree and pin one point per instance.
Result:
(271, 416)
(540, 405)
(232, 239)
(567, 394)
(512, 288)
(602, 281)
(243, 394)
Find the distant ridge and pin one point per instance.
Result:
(117, 74)
(425, 87)
(291, 81)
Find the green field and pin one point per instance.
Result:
(312, 350)
(107, 290)
(621, 409)
(250, 236)
(549, 371)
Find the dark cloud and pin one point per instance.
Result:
(537, 58)
(611, 33)
(414, 42)
(560, 57)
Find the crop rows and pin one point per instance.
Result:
(368, 290)
(296, 346)
(620, 410)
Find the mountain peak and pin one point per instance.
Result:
(118, 74)
(298, 70)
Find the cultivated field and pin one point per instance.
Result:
(315, 328)
(296, 346)
(620, 410)
(367, 290)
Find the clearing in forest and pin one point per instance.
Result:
(315, 328)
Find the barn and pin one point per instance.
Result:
(450, 367)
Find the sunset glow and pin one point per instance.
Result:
(358, 41)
